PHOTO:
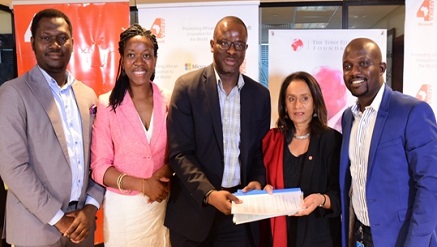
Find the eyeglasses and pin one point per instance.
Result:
(60, 39)
(225, 45)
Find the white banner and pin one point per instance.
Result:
(420, 55)
(318, 52)
(185, 29)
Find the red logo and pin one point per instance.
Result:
(158, 28)
(424, 93)
(297, 44)
(426, 10)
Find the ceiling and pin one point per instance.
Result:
(328, 17)
(323, 17)
(305, 17)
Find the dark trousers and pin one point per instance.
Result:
(362, 234)
(224, 233)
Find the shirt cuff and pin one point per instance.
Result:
(56, 218)
(60, 213)
(92, 201)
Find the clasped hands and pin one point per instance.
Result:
(157, 187)
(76, 225)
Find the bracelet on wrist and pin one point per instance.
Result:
(324, 201)
(120, 184)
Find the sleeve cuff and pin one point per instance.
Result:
(56, 218)
(92, 201)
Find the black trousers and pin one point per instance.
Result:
(224, 233)
(362, 234)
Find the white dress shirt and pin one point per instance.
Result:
(360, 141)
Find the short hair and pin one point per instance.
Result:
(318, 123)
(49, 13)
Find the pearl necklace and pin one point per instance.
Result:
(302, 137)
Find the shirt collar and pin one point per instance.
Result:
(375, 103)
(240, 82)
(52, 82)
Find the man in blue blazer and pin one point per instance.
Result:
(388, 166)
(216, 121)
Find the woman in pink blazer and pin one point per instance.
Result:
(129, 147)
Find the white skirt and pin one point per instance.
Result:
(130, 221)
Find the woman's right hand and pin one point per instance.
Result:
(269, 188)
(155, 188)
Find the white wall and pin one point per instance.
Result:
(394, 20)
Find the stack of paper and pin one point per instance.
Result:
(258, 204)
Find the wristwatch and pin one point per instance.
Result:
(205, 199)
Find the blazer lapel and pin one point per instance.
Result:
(159, 111)
(347, 120)
(307, 170)
(381, 118)
(129, 114)
(211, 97)
(246, 99)
(84, 110)
(39, 86)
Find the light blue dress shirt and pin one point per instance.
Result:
(72, 126)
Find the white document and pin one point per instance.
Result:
(258, 204)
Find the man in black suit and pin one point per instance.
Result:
(216, 121)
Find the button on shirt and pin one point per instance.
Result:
(230, 115)
(360, 140)
(72, 127)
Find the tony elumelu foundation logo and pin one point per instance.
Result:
(158, 28)
(297, 44)
(426, 10)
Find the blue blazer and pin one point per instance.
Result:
(401, 188)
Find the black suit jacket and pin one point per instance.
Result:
(195, 140)
(320, 171)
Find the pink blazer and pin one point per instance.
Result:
(119, 140)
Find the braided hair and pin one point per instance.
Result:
(122, 81)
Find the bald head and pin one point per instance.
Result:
(227, 22)
(363, 69)
(366, 45)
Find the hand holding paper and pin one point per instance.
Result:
(258, 204)
(221, 200)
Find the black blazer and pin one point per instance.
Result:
(320, 175)
(320, 172)
(196, 147)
